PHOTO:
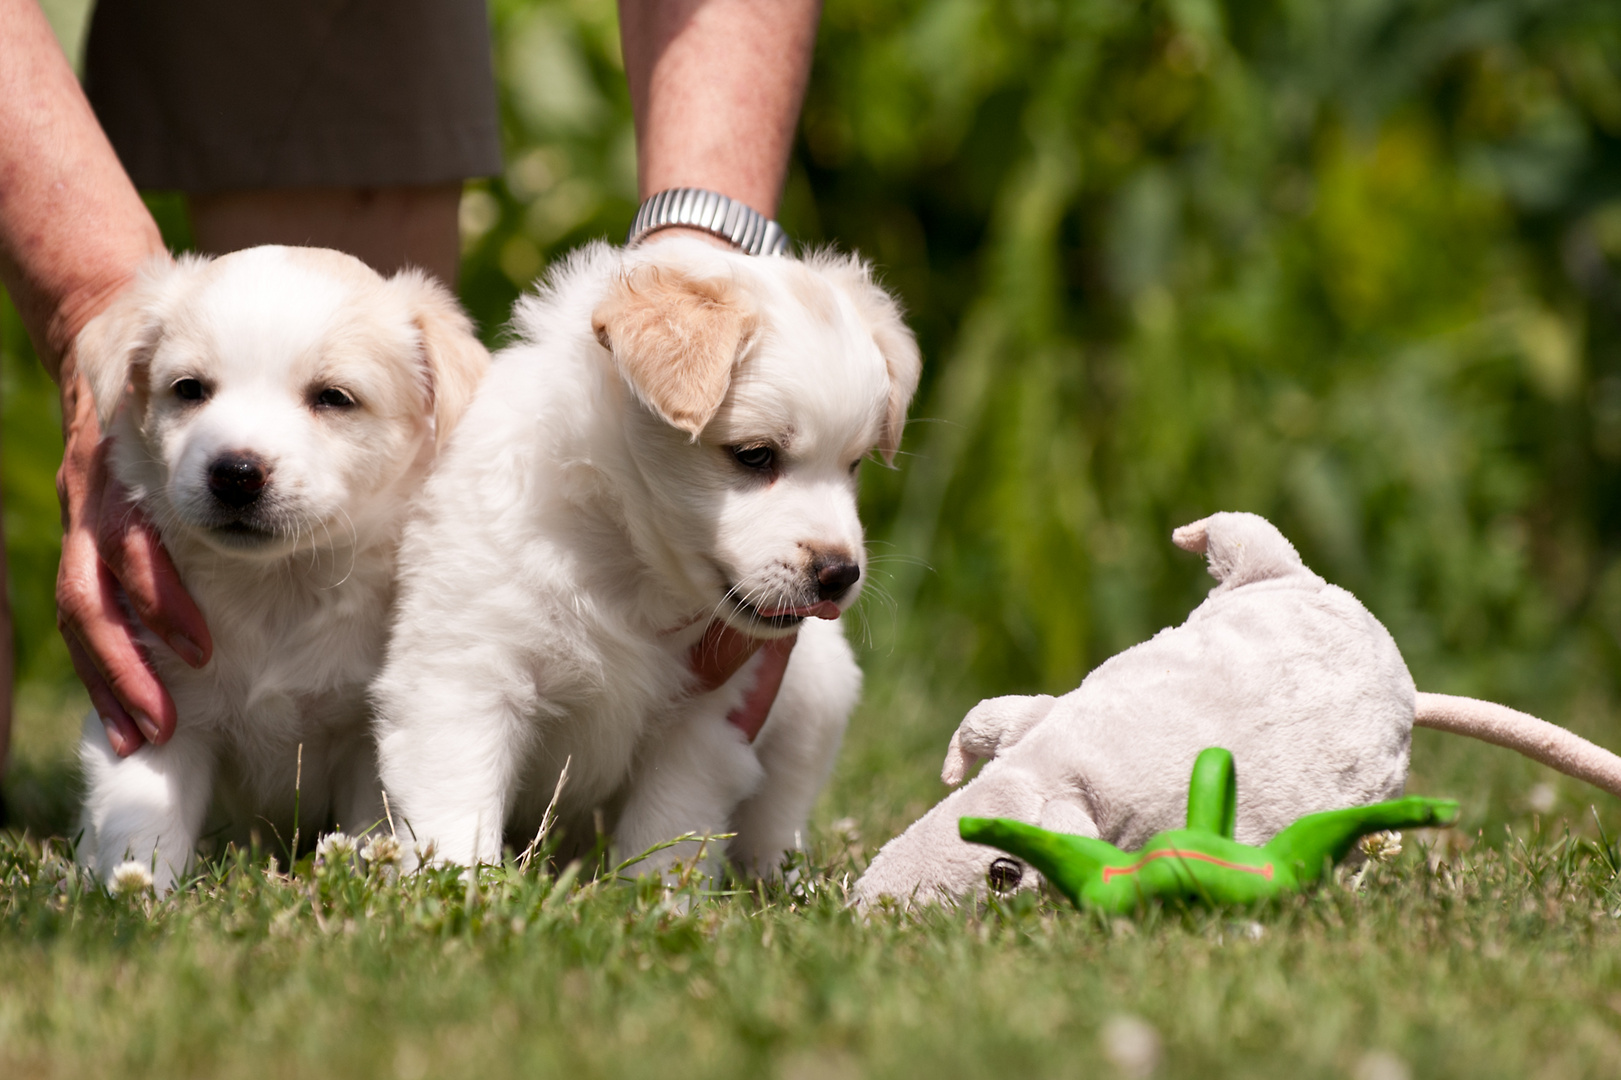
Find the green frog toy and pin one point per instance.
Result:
(1202, 863)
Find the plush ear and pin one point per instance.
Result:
(1241, 549)
(991, 727)
(114, 349)
(675, 340)
(882, 314)
(453, 359)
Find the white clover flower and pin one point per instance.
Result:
(1132, 1044)
(1381, 847)
(382, 850)
(131, 879)
(334, 848)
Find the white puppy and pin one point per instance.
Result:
(272, 411)
(673, 445)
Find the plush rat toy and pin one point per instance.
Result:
(1291, 674)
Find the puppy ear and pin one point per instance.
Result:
(905, 363)
(454, 360)
(114, 349)
(675, 340)
(882, 314)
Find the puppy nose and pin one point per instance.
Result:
(834, 575)
(236, 479)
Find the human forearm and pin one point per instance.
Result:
(73, 231)
(716, 86)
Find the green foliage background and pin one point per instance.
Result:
(1355, 266)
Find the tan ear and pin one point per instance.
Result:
(675, 339)
(454, 360)
(905, 363)
(114, 349)
(882, 314)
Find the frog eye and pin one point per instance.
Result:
(1005, 874)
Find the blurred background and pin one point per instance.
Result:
(1354, 265)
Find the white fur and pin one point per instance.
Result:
(296, 591)
(575, 543)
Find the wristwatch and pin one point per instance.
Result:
(699, 208)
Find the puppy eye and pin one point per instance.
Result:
(855, 466)
(333, 398)
(190, 389)
(758, 458)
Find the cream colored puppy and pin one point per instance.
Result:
(273, 412)
(672, 445)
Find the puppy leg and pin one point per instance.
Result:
(148, 807)
(449, 758)
(357, 793)
(688, 781)
(797, 747)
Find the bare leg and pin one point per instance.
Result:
(388, 228)
(7, 670)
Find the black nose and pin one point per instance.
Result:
(236, 479)
(834, 575)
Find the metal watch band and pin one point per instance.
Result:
(698, 208)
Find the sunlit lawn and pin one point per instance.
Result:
(1459, 958)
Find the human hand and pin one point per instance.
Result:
(722, 651)
(112, 557)
(719, 654)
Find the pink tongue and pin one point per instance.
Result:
(827, 609)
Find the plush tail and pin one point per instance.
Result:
(1536, 739)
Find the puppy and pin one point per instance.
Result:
(669, 451)
(272, 411)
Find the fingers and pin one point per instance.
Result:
(720, 653)
(129, 547)
(106, 655)
(122, 732)
(100, 635)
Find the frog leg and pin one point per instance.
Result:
(1069, 862)
(1320, 840)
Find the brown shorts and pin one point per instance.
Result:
(220, 95)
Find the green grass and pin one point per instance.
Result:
(1491, 951)
(1472, 965)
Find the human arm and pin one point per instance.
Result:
(73, 233)
(716, 87)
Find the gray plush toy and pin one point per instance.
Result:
(1290, 673)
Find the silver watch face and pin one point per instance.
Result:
(699, 208)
